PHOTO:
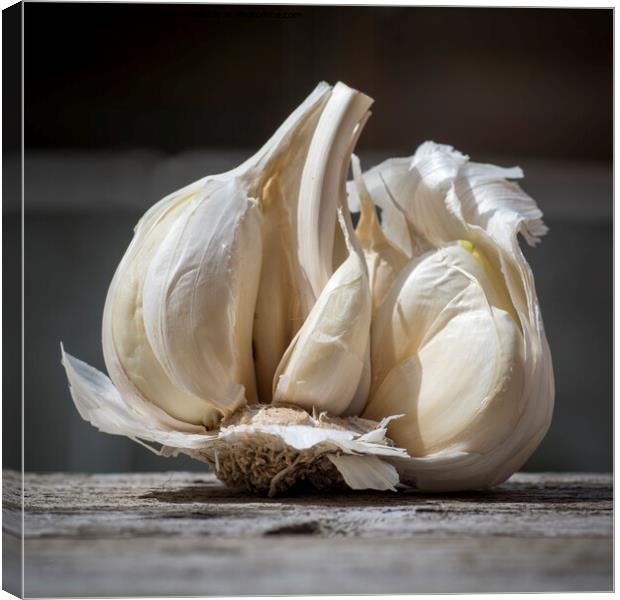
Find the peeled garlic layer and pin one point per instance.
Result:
(251, 327)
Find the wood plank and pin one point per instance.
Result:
(186, 534)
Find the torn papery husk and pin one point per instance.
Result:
(262, 448)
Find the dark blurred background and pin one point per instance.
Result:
(125, 103)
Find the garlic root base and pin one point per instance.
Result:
(270, 449)
(270, 467)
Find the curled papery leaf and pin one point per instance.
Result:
(100, 403)
(419, 192)
(323, 182)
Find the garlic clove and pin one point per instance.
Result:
(322, 368)
(200, 292)
(128, 355)
(458, 373)
(418, 297)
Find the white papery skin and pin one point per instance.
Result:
(384, 259)
(472, 417)
(323, 183)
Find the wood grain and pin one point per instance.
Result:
(186, 534)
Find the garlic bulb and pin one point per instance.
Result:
(245, 329)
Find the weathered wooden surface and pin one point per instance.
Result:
(183, 534)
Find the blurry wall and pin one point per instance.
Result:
(125, 103)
